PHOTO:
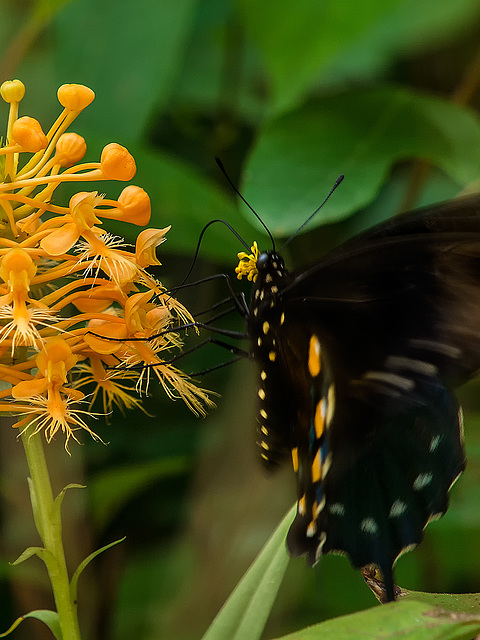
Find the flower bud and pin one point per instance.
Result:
(75, 97)
(117, 163)
(70, 149)
(28, 133)
(136, 207)
(12, 90)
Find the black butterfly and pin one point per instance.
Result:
(357, 359)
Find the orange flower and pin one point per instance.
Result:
(76, 304)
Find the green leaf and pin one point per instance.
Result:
(245, 613)
(57, 503)
(406, 28)
(451, 602)
(50, 618)
(210, 73)
(296, 49)
(343, 40)
(84, 563)
(112, 489)
(360, 134)
(129, 54)
(29, 552)
(403, 619)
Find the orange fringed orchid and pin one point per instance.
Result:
(56, 258)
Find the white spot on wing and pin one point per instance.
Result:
(422, 481)
(337, 509)
(398, 508)
(392, 379)
(437, 347)
(369, 525)
(434, 442)
(419, 366)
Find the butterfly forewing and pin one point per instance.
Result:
(357, 357)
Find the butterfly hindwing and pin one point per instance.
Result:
(392, 464)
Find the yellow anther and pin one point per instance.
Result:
(248, 264)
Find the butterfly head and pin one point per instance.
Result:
(267, 265)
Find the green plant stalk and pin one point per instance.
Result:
(48, 523)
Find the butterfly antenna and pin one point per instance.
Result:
(230, 182)
(295, 233)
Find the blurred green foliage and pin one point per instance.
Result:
(289, 95)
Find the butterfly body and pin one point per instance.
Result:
(357, 359)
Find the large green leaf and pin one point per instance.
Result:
(245, 613)
(342, 40)
(449, 602)
(404, 619)
(360, 134)
(219, 76)
(129, 53)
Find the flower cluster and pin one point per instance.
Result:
(76, 306)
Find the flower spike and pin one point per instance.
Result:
(65, 281)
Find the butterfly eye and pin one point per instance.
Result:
(263, 260)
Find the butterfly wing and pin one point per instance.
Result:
(374, 464)
(410, 287)
(372, 340)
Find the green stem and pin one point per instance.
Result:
(46, 512)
